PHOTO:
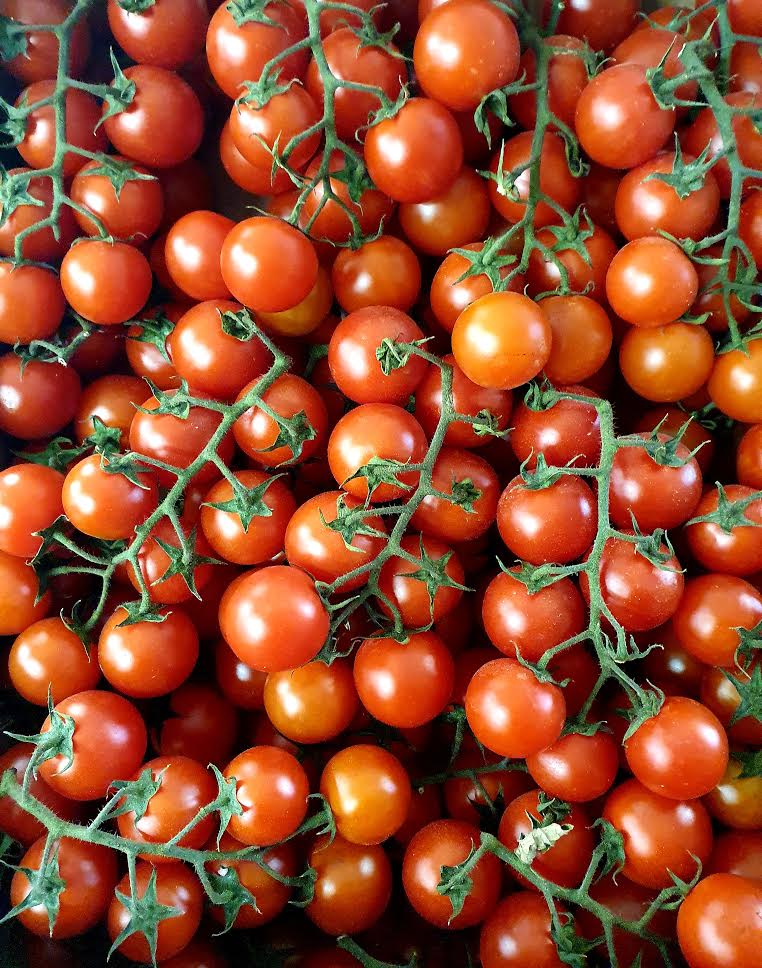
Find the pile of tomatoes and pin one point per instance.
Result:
(382, 490)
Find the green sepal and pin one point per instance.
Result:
(227, 801)
(729, 514)
(137, 794)
(57, 740)
(13, 39)
(495, 103)
(685, 177)
(540, 476)
(487, 424)
(572, 948)
(464, 494)
(749, 690)
(183, 561)
(455, 882)
(612, 844)
(433, 573)
(251, 12)
(354, 175)
(45, 888)
(119, 95)
(380, 471)
(144, 916)
(751, 764)
(104, 440)
(138, 612)
(154, 330)
(239, 324)
(247, 502)
(293, 433)
(229, 895)
(13, 127)
(136, 6)
(172, 403)
(117, 171)
(14, 193)
(58, 454)
(350, 522)
(533, 577)
(129, 466)
(58, 349)
(645, 707)
(393, 355)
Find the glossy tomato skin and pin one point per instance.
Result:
(92, 278)
(450, 295)
(258, 181)
(201, 724)
(109, 741)
(734, 552)
(736, 801)
(133, 215)
(383, 272)
(15, 821)
(113, 399)
(176, 886)
(271, 895)
(718, 922)
(452, 522)
(40, 59)
(255, 129)
(567, 432)
(737, 852)
(31, 303)
(81, 115)
(446, 843)
(581, 339)
(30, 498)
(735, 381)
(313, 703)
(465, 797)
(20, 601)
(48, 658)
(89, 875)
(416, 605)
(660, 835)
(651, 282)
(576, 768)
(517, 933)
(711, 611)
(666, 363)
(584, 273)
(567, 78)
(104, 505)
(39, 245)
(168, 35)
(511, 712)
(192, 253)
(273, 619)
(36, 399)
(450, 220)
(239, 683)
(603, 25)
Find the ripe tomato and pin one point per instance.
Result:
(37, 399)
(452, 219)
(712, 610)
(258, 181)
(14, 820)
(48, 658)
(240, 684)
(447, 843)
(176, 887)
(92, 278)
(109, 742)
(617, 120)
(737, 852)
(154, 562)
(39, 292)
(312, 704)
(651, 282)
(271, 895)
(40, 59)
(192, 252)
(133, 213)
(186, 188)
(273, 619)
(470, 799)
(568, 432)
(404, 685)
(661, 836)
(735, 383)
(88, 875)
(670, 421)
(566, 79)
(272, 788)
(383, 272)
(652, 47)
(719, 693)
(576, 768)
(749, 458)
(164, 122)
(704, 132)
(667, 363)
(147, 659)
(107, 505)
(20, 601)
(30, 500)
(417, 605)
(39, 245)
(517, 933)
(168, 34)
(737, 551)
(113, 400)
(353, 886)
(581, 338)
(201, 724)
(416, 155)
(529, 623)
(736, 801)
(602, 24)
(557, 523)
(585, 273)
(750, 221)
(461, 473)
(450, 295)
(718, 922)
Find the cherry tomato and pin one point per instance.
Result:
(651, 282)
(454, 218)
(667, 363)
(704, 133)
(201, 724)
(712, 610)
(734, 551)
(312, 704)
(113, 399)
(40, 58)
(192, 252)
(272, 788)
(37, 399)
(383, 272)
(258, 181)
(270, 894)
(168, 34)
(21, 603)
(576, 768)
(105, 504)
(39, 245)
(567, 432)
(31, 303)
(581, 338)
(672, 421)
(470, 478)
(30, 500)
(566, 79)
(92, 278)
(418, 604)
(517, 933)
(735, 381)
(585, 272)
(736, 801)
(47, 658)
(718, 922)
(14, 820)
(602, 24)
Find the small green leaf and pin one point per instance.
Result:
(45, 888)
(247, 502)
(59, 453)
(612, 843)
(227, 801)
(136, 6)
(380, 471)
(751, 764)
(749, 690)
(183, 560)
(139, 612)
(293, 433)
(252, 12)
(57, 740)
(120, 95)
(455, 882)
(572, 948)
(137, 794)
(154, 330)
(230, 895)
(14, 193)
(239, 324)
(117, 171)
(464, 495)
(144, 916)
(13, 40)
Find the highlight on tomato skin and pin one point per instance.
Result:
(380, 483)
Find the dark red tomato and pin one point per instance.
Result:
(476, 148)
(107, 505)
(681, 752)
(39, 292)
(257, 433)
(39, 245)
(735, 550)
(148, 659)
(176, 887)
(529, 623)
(447, 843)
(474, 481)
(385, 272)
(618, 122)
(40, 58)
(749, 458)
(599, 188)
(417, 604)
(651, 282)
(579, 670)
(425, 807)
(272, 789)
(661, 836)
(566, 75)
(568, 432)
(353, 886)
(576, 768)
(376, 431)
(452, 219)
(257, 181)
(192, 253)
(451, 41)
(468, 399)
(81, 116)
(17, 822)
(164, 122)
(88, 874)
(241, 685)
(544, 274)
(656, 495)
(109, 742)
(232, 535)
(652, 47)
(750, 220)
(511, 712)
(20, 601)
(671, 668)
(312, 545)
(36, 399)
(736, 801)
(735, 382)
(30, 500)
(349, 60)
(557, 523)
(450, 294)
(737, 852)
(267, 264)
(639, 594)
(368, 791)
(511, 166)
(602, 24)
(671, 421)
(416, 155)
(186, 787)
(704, 132)
(567, 860)
(712, 610)
(256, 129)
(270, 894)
(718, 922)
(238, 52)
(517, 933)
(645, 205)
(154, 562)
(157, 261)
(113, 399)
(186, 188)
(97, 352)
(581, 339)
(201, 724)
(745, 17)
(167, 34)
(667, 363)
(47, 658)
(314, 703)
(273, 619)
(713, 292)
(178, 442)
(472, 797)
(93, 275)
(404, 685)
